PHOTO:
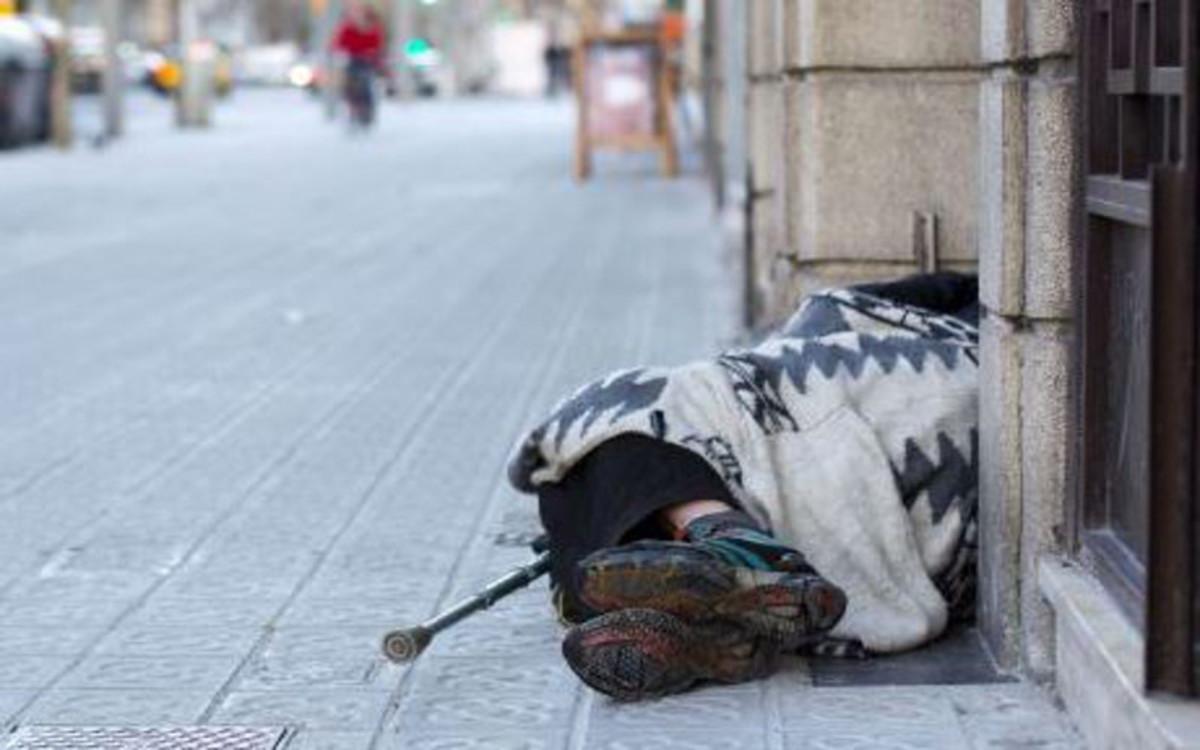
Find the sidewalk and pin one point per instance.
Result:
(260, 384)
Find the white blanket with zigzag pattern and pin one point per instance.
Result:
(851, 432)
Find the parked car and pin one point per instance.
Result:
(268, 65)
(25, 64)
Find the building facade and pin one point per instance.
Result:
(1050, 146)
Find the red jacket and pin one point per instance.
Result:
(358, 43)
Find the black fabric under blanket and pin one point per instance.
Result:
(612, 496)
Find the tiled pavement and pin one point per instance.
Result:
(258, 388)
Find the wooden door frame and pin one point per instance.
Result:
(1163, 596)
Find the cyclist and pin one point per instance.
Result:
(361, 40)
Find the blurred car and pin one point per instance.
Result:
(89, 59)
(25, 66)
(422, 66)
(268, 65)
(163, 70)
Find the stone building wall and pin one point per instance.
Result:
(868, 118)
(863, 134)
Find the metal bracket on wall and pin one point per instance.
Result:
(925, 241)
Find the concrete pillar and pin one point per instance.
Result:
(61, 126)
(195, 99)
(113, 84)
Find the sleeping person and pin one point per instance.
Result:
(816, 492)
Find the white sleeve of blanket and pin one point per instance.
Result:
(842, 508)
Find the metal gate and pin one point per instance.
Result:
(1137, 519)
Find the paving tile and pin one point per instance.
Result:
(232, 585)
(60, 639)
(51, 612)
(84, 586)
(69, 706)
(320, 740)
(179, 640)
(395, 585)
(354, 612)
(905, 717)
(713, 706)
(23, 671)
(684, 737)
(11, 701)
(275, 671)
(326, 640)
(496, 694)
(207, 673)
(470, 738)
(160, 611)
(332, 709)
(877, 738)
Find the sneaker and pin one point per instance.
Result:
(635, 654)
(705, 582)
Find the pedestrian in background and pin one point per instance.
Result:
(361, 41)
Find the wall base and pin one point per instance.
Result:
(1099, 669)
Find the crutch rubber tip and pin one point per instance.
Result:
(402, 646)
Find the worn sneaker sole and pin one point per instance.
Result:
(635, 654)
(788, 609)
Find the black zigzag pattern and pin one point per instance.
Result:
(951, 478)
(757, 376)
(624, 393)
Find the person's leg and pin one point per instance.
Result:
(723, 565)
(724, 597)
(678, 516)
(615, 495)
(719, 605)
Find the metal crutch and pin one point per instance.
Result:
(402, 646)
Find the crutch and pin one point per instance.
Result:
(401, 646)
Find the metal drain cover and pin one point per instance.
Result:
(146, 738)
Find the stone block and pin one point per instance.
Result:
(1045, 396)
(1019, 29)
(764, 134)
(1051, 26)
(881, 33)
(797, 279)
(1002, 30)
(1053, 183)
(869, 151)
(764, 55)
(1002, 193)
(1000, 491)
(766, 248)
